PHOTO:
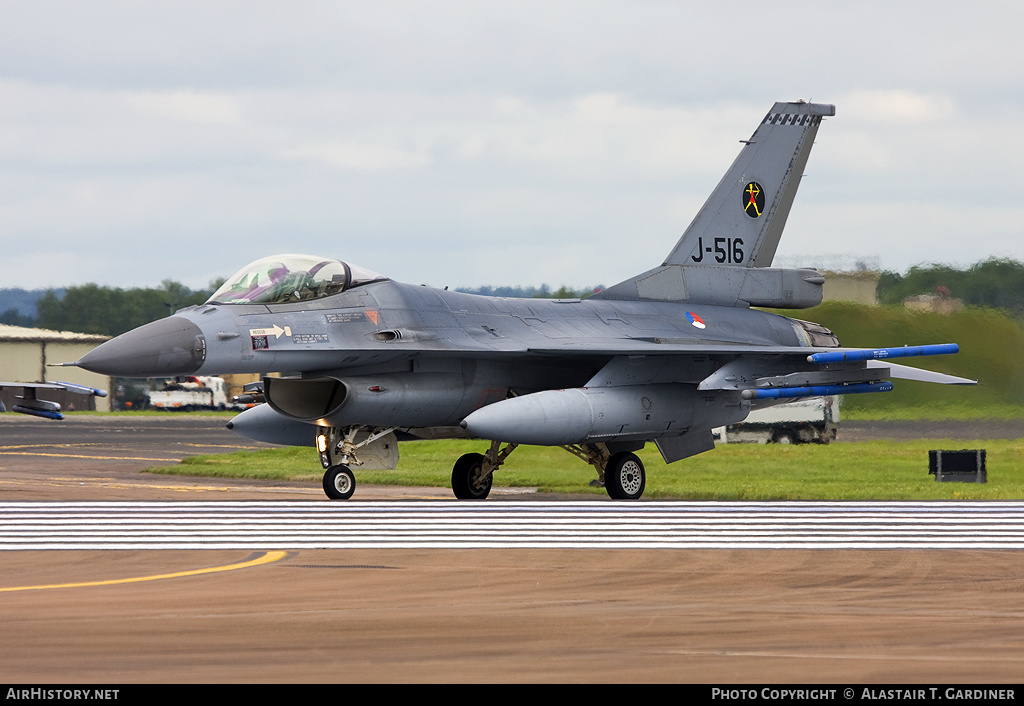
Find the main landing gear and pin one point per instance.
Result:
(624, 477)
(622, 473)
(473, 473)
(469, 479)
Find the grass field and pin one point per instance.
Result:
(876, 470)
(935, 410)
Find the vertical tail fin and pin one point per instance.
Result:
(741, 222)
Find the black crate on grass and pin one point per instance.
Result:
(964, 466)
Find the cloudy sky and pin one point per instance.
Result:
(504, 143)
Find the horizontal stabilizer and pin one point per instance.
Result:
(723, 286)
(905, 372)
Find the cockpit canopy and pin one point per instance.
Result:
(291, 278)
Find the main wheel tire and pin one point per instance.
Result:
(468, 479)
(339, 482)
(624, 477)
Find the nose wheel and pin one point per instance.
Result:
(339, 482)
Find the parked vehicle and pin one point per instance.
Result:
(808, 420)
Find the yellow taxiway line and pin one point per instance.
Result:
(97, 458)
(265, 559)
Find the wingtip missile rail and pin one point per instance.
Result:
(883, 353)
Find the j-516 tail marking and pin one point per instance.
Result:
(742, 221)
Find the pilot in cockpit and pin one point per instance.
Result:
(291, 278)
(275, 289)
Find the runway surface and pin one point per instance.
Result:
(270, 582)
(510, 525)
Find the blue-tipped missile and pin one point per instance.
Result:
(883, 353)
(37, 408)
(816, 391)
(37, 412)
(81, 389)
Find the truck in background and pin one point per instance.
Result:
(190, 393)
(804, 421)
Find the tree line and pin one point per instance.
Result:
(90, 308)
(110, 311)
(996, 283)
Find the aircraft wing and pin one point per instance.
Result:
(29, 404)
(875, 358)
(762, 371)
(666, 346)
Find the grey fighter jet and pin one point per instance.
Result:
(664, 356)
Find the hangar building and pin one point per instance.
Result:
(26, 352)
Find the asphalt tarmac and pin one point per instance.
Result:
(467, 616)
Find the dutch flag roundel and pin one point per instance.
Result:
(695, 320)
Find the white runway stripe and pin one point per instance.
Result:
(590, 524)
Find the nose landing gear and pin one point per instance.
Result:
(339, 482)
(338, 451)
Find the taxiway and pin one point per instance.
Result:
(420, 612)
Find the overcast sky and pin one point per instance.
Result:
(502, 143)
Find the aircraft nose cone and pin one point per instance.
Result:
(171, 346)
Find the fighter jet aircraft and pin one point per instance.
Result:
(28, 403)
(664, 356)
